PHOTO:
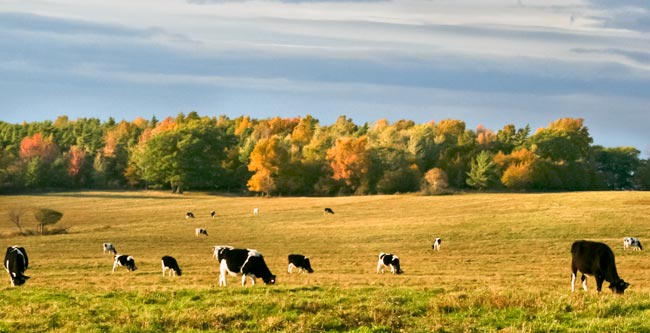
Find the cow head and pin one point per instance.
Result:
(269, 279)
(19, 280)
(619, 287)
(307, 265)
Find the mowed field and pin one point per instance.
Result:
(504, 263)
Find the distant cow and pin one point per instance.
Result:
(247, 262)
(328, 211)
(189, 215)
(170, 264)
(299, 261)
(389, 260)
(200, 231)
(596, 259)
(213, 214)
(109, 247)
(632, 242)
(256, 211)
(436, 244)
(124, 260)
(218, 248)
(16, 262)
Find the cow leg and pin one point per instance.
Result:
(573, 281)
(380, 266)
(252, 280)
(114, 265)
(290, 268)
(583, 278)
(599, 282)
(222, 279)
(243, 280)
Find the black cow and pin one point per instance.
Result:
(597, 259)
(328, 211)
(16, 262)
(124, 260)
(247, 262)
(213, 214)
(170, 264)
(389, 260)
(299, 261)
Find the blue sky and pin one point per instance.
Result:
(486, 62)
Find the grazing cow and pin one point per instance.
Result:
(189, 215)
(256, 211)
(597, 259)
(218, 248)
(109, 247)
(124, 260)
(299, 261)
(16, 262)
(213, 214)
(389, 260)
(328, 211)
(170, 264)
(200, 231)
(632, 242)
(436, 244)
(247, 262)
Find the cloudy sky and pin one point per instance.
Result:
(486, 62)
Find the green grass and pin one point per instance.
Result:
(504, 264)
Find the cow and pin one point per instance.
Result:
(247, 262)
(124, 260)
(16, 262)
(200, 231)
(217, 248)
(632, 242)
(328, 211)
(597, 259)
(189, 215)
(213, 214)
(389, 260)
(109, 247)
(256, 211)
(170, 264)
(299, 261)
(436, 244)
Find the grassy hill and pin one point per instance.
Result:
(504, 263)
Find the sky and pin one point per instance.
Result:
(485, 62)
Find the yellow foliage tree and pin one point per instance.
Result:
(350, 160)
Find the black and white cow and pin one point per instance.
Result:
(632, 242)
(189, 215)
(200, 231)
(213, 214)
(124, 260)
(389, 260)
(299, 261)
(247, 262)
(596, 259)
(109, 247)
(16, 262)
(170, 264)
(436, 244)
(328, 211)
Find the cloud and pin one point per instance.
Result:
(624, 14)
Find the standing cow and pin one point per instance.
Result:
(170, 264)
(16, 262)
(596, 259)
(299, 261)
(389, 260)
(247, 262)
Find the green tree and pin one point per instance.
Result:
(46, 216)
(482, 173)
(617, 166)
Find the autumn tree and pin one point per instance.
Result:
(350, 162)
(46, 216)
(435, 181)
(266, 160)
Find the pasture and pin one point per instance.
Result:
(504, 263)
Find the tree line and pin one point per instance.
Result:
(299, 156)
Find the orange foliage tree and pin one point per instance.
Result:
(266, 160)
(38, 146)
(350, 161)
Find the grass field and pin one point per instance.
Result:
(503, 265)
